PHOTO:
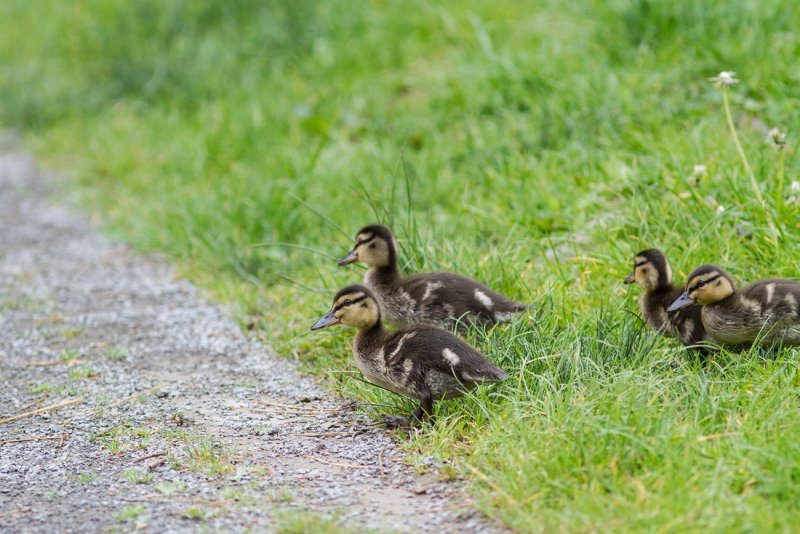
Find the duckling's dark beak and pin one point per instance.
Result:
(628, 279)
(681, 302)
(350, 258)
(328, 320)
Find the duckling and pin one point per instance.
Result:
(440, 299)
(767, 311)
(652, 272)
(420, 362)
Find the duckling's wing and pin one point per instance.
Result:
(464, 295)
(779, 298)
(786, 301)
(437, 350)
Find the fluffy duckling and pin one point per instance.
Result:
(767, 310)
(440, 299)
(420, 362)
(652, 272)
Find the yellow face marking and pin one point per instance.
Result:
(348, 299)
(709, 288)
(644, 273)
(356, 309)
(372, 250)
(364, 237)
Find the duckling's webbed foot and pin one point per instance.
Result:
(395, 421)
(423, 413)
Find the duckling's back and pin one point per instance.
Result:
(771, 309)
(446, 298)
(425, 359)
(447, 366)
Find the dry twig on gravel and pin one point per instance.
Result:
(49, 363)
(135, 395)
(41, 410)
(60, 437)
(153, 465)
(349, 466)
(160, 499)
(350, 433)
(148, 456)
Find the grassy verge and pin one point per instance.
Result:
(535, 146)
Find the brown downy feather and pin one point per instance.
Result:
(440, 299)
(767, 311)
(417, 362)
(422, 358)
(653, 273)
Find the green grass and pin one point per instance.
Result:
(300, 522)
(87, 478)
(116, 354)
(137, 476)
(535, 146)
(204, 456)
(134, 515)
(124, 438)
(81, 372)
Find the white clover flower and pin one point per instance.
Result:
(725, 78)
(791, 200)
(795, 187)
(699, 170)
(720, 209)
(777, 137)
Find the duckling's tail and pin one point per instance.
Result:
(511, 312)
(494, 374)
(521, 306)
(485, 373)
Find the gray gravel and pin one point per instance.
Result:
(244, 440)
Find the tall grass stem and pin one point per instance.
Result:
(746, 163)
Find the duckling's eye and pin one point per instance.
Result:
(347, 302)
(700, 284)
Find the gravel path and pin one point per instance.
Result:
(176, 421)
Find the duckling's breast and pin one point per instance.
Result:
(654, 312)
(732, 325)
(687, 329)
(688, 325)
